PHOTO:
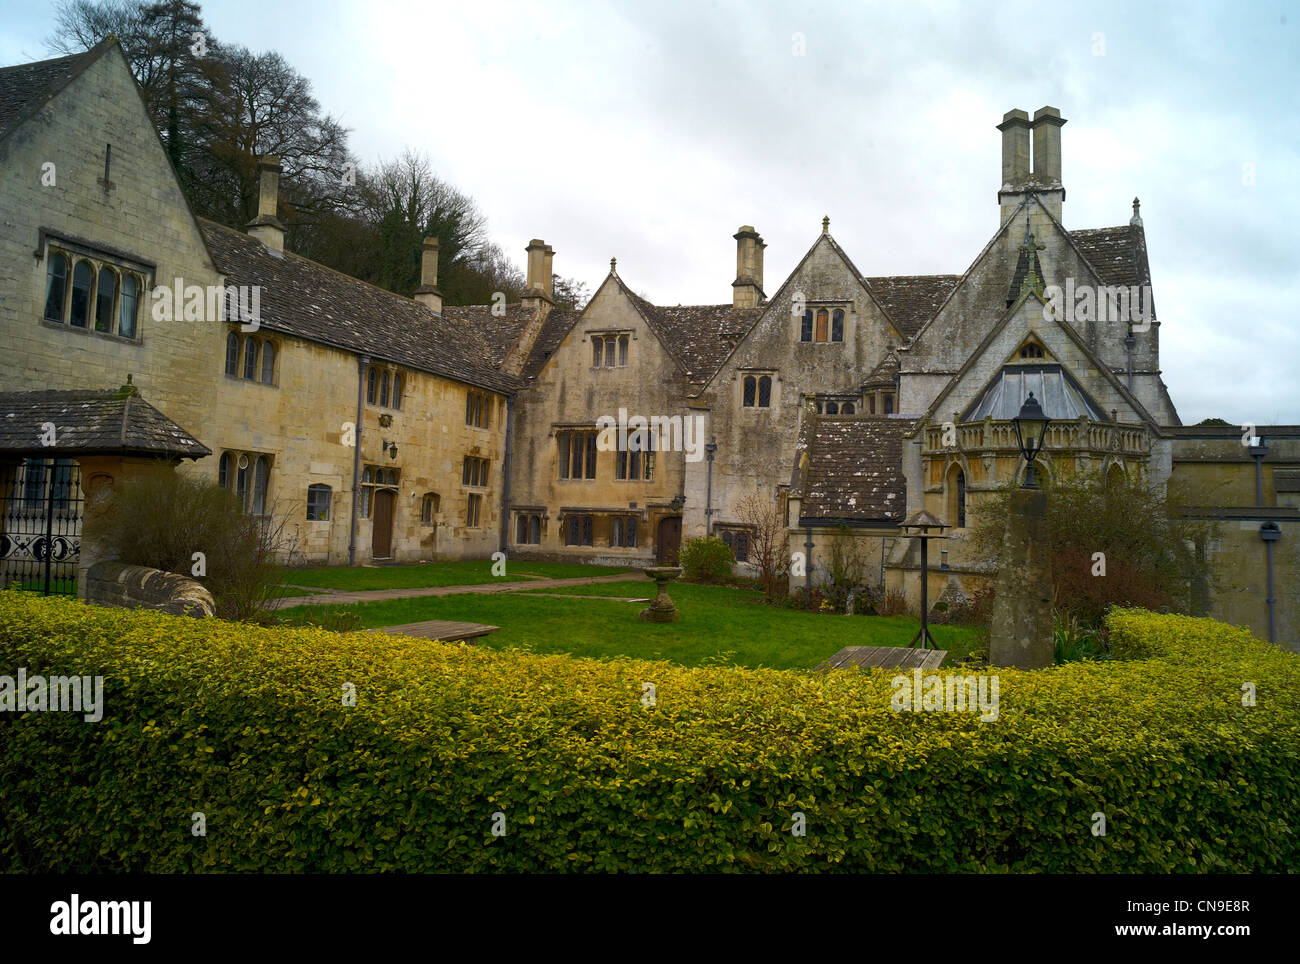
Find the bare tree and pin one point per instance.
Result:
(768, 537)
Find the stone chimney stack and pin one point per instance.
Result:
(266, 227)
(1047, 146)
(747, 289)
(428, 294)
(541, 276)
(1015, 148)
(1044, 180)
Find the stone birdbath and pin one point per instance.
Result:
(662, 609)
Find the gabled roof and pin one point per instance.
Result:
(855, 468)
(111, 422)
(885, 374)
(26, 88)
(977, 355)
(310, 301)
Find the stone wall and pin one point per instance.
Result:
(139, 587)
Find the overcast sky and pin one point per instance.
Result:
(652, 131)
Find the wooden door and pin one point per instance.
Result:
(669, 541)
(381, 539)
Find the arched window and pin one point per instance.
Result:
(268, 364)
(535, 529)
(397, 391)
(82, 279)
(751, 386)
(318, 503)
(261, 476)
(383, 388)
(837, 325)
(223, 470)
(597, 351)
(372, 386)
(823, 317)
(765, 391)
(429, 507)
(806, 329)
(56, 287)
(128, 306)
(241, 481)
(105, 296)
(250, 359)
(848, 409)
(832, 408)
(232, 354)
(622, 349)
(1031, 351)
(957, 498)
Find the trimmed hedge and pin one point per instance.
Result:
(248, 726)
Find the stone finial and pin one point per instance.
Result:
(826, 225)
(613, 265)
(1136, 220)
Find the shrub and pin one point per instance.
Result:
(893, 603)
(1151, 559)
(248, 726)
(161, 521)
(706, 559)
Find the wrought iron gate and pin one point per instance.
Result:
(40, 526)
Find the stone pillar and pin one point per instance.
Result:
(1020, 633)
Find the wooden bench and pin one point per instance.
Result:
(442, 629)
(884, 657)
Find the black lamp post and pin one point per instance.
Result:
(922, 525)
(1031, 430)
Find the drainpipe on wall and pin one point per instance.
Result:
(363, 362)
(1271, 532)
(807, 562)
(505, 474)
(708, 498)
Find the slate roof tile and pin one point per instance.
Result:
(316, 303)
(88, 422)
(912, 300)
(855, 468)
(26, 88)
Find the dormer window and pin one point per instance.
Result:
(1031, 350)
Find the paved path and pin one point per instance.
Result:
(379, 595)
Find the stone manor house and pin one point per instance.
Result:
(385, 428)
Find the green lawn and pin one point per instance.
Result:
(718, 624)
(469, 573)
